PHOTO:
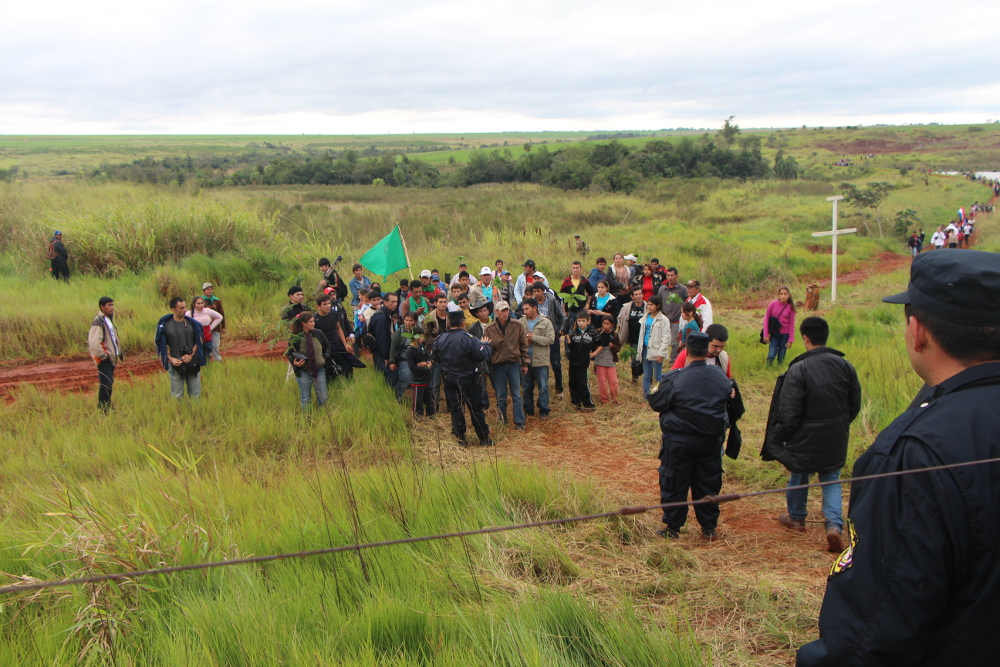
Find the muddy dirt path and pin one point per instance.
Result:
(80, 375)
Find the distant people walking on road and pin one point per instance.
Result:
(809, 425)
(179, 345)
(105, 349)
(58, 257)
(215, 303)
(308, 353)
(692, 403)
(779, 326)
(939, 238)
(209, 321)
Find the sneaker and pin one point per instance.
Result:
(834, 541)
(788, 522)
(669, 533)
(520, 427)
(710, 535)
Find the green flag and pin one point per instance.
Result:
(387, 256)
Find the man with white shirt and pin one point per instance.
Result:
(105, 349)
(527, 279)
(703, 306)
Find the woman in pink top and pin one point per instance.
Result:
(208, 319)
(782, 311)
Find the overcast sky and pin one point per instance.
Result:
(303, 66)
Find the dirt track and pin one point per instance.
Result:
(79, 375)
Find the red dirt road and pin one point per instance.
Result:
(80, 375)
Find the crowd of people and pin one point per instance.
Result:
(956, 234)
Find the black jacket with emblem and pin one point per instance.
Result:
(693, 400)
(919, 584)
(459, 354)
(812, 407)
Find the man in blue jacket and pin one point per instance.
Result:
(179, 344)
(918, 583)
(460, 354)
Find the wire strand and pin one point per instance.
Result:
(624, 511)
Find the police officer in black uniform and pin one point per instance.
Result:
(919, 582)
(460, 355)
(692, 405)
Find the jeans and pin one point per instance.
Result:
(207, 347)
(777, 348)
(831, 498)
(306, 385)
(404, 378)
(555, 360)
(178, 382)
(537, 375)
(106, 380)
(216, 346)
(508, 376)
(651, 368)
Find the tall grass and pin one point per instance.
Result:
(161, 483)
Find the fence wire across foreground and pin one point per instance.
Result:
(29, 585)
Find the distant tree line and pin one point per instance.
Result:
(608, 166)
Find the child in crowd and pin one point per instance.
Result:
(605, 359)
(419, 362)
(690, 321)
(359, 320)
(397, 352)
(582, 341)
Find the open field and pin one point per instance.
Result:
(244, 473)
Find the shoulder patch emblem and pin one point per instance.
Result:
(846, 559)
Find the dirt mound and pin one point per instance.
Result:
(79, 375)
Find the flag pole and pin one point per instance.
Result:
(410, 268)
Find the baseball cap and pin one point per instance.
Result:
(454, 307)
(632, 258)
(461, 264)
(694, 283)
(425, 274)
(206, 286)
(486, 271)
(697, 343)
(502, 305)
(435, 279)
(529, 262)
(58, 233)
(294, 289)
(961, 287)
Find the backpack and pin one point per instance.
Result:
(51, 253)
(367, 338)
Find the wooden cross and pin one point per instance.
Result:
(835, 233)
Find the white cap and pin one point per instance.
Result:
(454, 307)
(425, 273)
(502, 305)
(632, 258)
(486, 271)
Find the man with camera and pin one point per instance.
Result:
(179, 344)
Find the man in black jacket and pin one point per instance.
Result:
(918, 583)
(460, 355)
(809, 424)
(380, 327)
(58, 257)
(692, 405)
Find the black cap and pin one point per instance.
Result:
(294, 289)
(697, 344)
(961, 286)
(529, 262)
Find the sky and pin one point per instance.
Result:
(304, 66)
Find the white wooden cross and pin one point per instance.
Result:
(835, 233)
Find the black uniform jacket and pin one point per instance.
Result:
(812, 407)
(459, 353)
(920, 581)
(693, 400)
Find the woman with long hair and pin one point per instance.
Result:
(648, 280)
(308, 350)
(623, 276)
(208, 319)
(779, 326)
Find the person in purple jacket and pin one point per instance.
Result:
(779, 326)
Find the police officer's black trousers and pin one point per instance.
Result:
(464, 393)
(106, 378)
(690, 462)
